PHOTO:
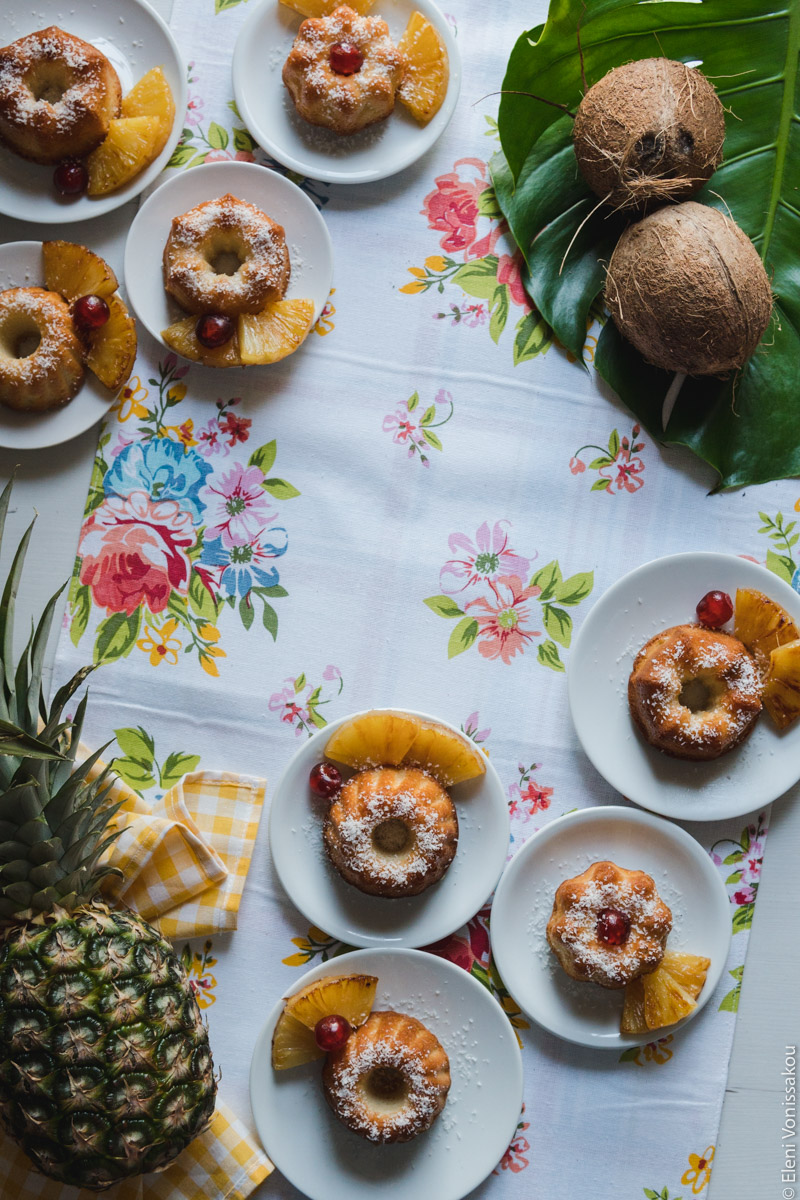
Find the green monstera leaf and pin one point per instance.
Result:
(746, 427)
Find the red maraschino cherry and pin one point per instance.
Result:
(214, 330)
(70, 177)
(90, 312)
(613, 927)
(715, 610)
(325, 780)
(345, 58)
(332, 1032)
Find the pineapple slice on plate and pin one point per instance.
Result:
(275, 332)
(111, 350)
(182, 338)
(399, 740)
(152, 97)
(74, 271)
(782, 687)
(427, 72)
(323, 8)
(131, 145)
(762, 625)
(666, 995)
(348, 996)
(293, 1043)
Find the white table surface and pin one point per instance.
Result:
(749, 1156)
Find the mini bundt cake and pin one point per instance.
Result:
(343, 71)
(221, 236)
(694, 693)
(41, 360)
(390, 1080)
(391, 831)
(608, 925)
(58, 95)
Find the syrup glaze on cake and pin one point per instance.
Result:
(391, 831)
(694, 693)
(58, 95)
(594, 947)
(41, 361)
(343, 102)
(236, 236)
(390, 1080)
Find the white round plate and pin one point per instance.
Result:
(686, 880)
(21, 265)
(267, 109)
(326, 1161)
(135, 39)
(307, 236)
(659, 594)
(355, 918)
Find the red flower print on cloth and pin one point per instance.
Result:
(502, 631)
(469, 950)
(625, 474)
(452, 207)
(514, 1158)
(508, 271)
(133, 550)
(484, 559)
(618, 464)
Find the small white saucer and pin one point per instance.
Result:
(326, 1161)
(307, 237)
(295, 832)
(21, 265)
(383, 149)
(685, 878)
(135, 39)
(659, 594)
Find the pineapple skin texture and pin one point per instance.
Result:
(105, 1067)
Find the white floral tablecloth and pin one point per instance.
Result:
(416, 510)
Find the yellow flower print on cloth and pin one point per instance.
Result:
(699, 1171)
(160, 644)
(130, 401)
(326, 323)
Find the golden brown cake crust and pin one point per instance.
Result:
(52, 373)
(226, 227)
(58, 95)
(572, 928)
(729, 684)
(390, 1080)
(391, 831)
(343, 103)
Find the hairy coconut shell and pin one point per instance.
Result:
(688, 288)
(649, 131)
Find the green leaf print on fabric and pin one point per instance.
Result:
(730, 1003)
(138, 766)
(781, 561)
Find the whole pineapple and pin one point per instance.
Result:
(105, 1068)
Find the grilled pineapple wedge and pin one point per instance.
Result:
(762, 625)
(182, 338)
(73, 271)
(111, 350)
(401, 740)
(131, 145)
(105, 1068)
(348, 996)
(426, 73)
(782, 687)
(152, 97)
(666, 995)
(275, 332)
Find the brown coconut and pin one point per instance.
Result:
(688, 288)
(649, 132)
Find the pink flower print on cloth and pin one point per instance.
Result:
(502, 622)
(482, 560)
(134, 549)
(236, 506)
(452, 207)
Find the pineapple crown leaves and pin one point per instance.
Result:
(54, 820)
